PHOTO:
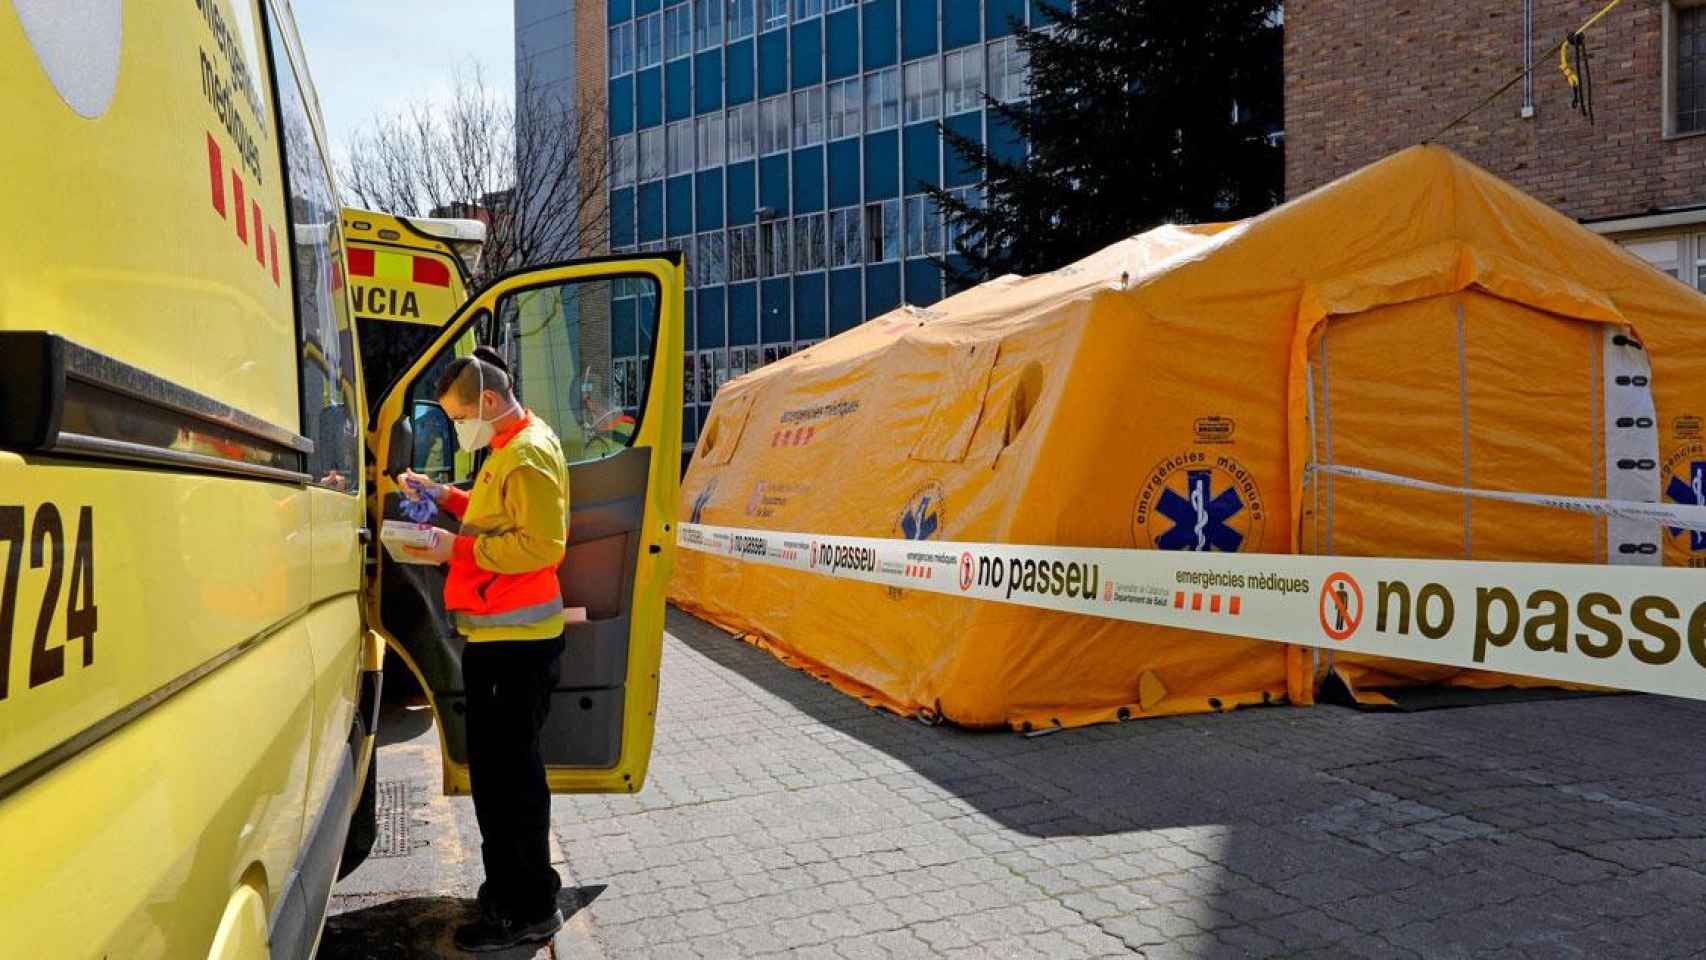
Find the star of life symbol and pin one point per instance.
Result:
(1692, 492)
(1200, 522)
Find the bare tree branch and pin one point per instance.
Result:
(535, 170)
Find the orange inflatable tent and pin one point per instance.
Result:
(1278, 385)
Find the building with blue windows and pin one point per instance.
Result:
(783, 146)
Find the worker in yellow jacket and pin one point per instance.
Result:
(503, 590)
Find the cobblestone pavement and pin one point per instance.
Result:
(783, 818)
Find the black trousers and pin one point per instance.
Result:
(508, 683)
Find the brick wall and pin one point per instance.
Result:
(1366, 79)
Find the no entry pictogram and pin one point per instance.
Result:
(1341, 606)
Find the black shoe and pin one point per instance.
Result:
(498, 933)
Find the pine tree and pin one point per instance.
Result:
(1141, 112)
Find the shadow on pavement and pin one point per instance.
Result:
(1276, 769)
(400, 722)
(423, 928)
(1566, 828)
(1088, 781)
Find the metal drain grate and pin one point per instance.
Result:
(392, 813)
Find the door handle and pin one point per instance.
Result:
(365, 535)
(654, 548)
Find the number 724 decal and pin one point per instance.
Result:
(47, 547)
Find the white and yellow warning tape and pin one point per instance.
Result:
(1631, 628)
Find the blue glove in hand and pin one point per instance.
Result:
(420, 510)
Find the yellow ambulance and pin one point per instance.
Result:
(193, 610)
(407, 276)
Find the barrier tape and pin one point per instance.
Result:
(1630, 628)
(1678, 516)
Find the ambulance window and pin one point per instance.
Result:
(389, 348)
(575, 352)
(327, 361)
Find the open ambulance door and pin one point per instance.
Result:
(591, 344)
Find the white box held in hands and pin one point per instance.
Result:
(397, 534)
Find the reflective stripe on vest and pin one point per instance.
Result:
(525, 616)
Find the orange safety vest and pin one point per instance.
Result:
(489, 605)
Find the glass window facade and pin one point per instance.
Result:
(1690, 68)
(743, 15)
(882, 231)
(648, 40)
(923, 227)
(844, 249)
(923, 86)
(795, 160)
(845, 103)
(1007, 71)
(678, 31)
(621, 51)
(681, 147)
(882, 99)
(622, 164)
(809, 243)
(713, 265)
(708, 24)
(952, 233)
(773, 259)
(651, 154)
(808, 117)
(743, 132)
(773, 125)
(743, 254)
(710, 140)
(963, 80)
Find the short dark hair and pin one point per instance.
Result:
(464, 376)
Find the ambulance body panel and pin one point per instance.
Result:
(181, 499)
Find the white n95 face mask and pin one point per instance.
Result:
(475, 433)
